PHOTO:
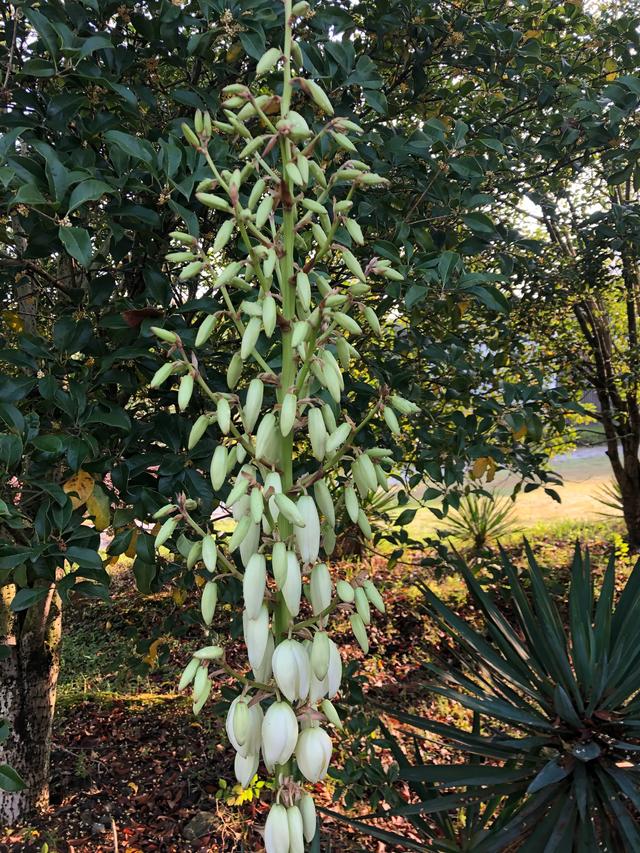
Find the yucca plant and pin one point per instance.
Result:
(288, 291)
(610, 496)
(553, 750)
(481, 519)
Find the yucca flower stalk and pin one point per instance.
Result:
(294, 303)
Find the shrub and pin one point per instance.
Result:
(553, 748)
(481, 519)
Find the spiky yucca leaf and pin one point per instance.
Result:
(480, 520)
(554, 755)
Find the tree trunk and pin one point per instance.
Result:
(29, 666)
(629, 484)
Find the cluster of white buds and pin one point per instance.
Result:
(284, 435)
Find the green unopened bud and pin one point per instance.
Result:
(166, 532)
(215, 202)
(185, 391)
(198, 430)
(190, 136)
(391, 420)
(268, 61)
(234, 370)
(162, 374)
(345, 592)
(191, 270)
(206, 329)
(224, 235)
(165, 335)
(318, 96)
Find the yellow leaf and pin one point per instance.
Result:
(13, 320)
(519, 434)
(479, 467)
(234, 51)
(131, 550)
(200, 581)
(152, 655)
(484, 466)
(179, 596)
(98, 508)
(79, 487)
(532, 34)
(134, 788)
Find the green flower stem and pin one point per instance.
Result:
(243, 679)
(221, 557)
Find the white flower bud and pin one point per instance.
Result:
(223, 411)
(374, 596)
(189, 673)
(359, 632)
(313, 753)
(252, 726)
(273, 484)
(292, 587)
(250, 544)
(219, 466)
(308, 537)
(288, 413)
(291, 670)
(317, 434)
(245, 768)
(296, 830)
(345, 591)
(267, 440)
(320, 655)
(334, 675)
(253, 585)
(320, 588)
(279, 734)
(253, 404)
(309, 821)
(276, 830)
(362, 605)
(263, 672)
(328, 709)
(256, 634)
(323, 500)
(279, 563)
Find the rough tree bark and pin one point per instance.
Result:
(29, 666)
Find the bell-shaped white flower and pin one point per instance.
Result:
(279, 734)
(256, 635)
(245, 768)
(253, 585)
(250, 543)
(292, 670)
(276, 830)
(292, 586)
(313, 753)
(251, 740)
(320, 588)
(264, 671)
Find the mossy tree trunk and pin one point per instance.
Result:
(29, 666)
